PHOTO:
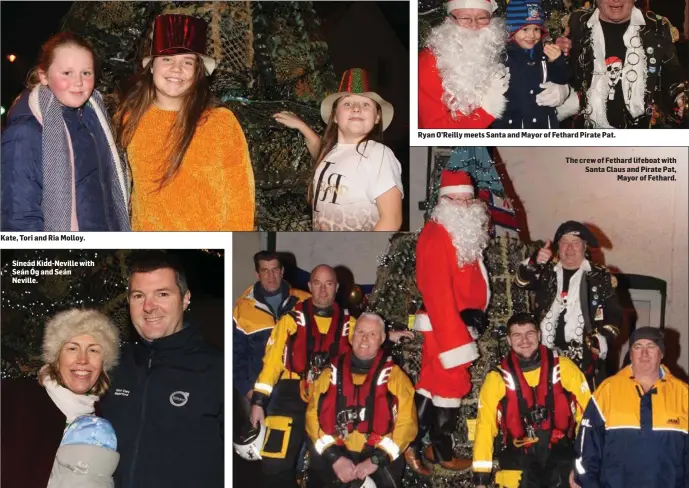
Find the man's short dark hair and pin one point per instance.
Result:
(147, 261)
(266, 256)
(521, 318)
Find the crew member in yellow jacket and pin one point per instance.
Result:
(188, 156)
(361, 415)
(535, 399)
(300, 347)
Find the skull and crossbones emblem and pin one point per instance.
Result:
(613, 66)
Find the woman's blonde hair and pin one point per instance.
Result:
(72, 323)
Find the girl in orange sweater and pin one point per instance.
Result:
(188, 155)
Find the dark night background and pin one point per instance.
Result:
(205, 278)
(25, 26)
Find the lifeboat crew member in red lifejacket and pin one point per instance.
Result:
(300, 347)
(536, 399)
(361, 416)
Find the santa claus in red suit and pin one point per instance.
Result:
(454, 286)
(462, 82)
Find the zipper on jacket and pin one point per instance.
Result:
(142, 419)
(100, 170)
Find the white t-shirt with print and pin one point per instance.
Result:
(347, 183)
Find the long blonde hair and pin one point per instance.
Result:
(330, 136)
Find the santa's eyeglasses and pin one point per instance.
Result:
(467, 21)
(459, 199)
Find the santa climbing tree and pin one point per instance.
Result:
(397, 298)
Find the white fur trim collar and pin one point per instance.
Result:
(574, 330)
(633, 92)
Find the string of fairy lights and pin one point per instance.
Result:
(396, 297)
(87, 279)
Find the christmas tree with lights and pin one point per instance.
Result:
(37, 284)
(270, 58)
(396, 297)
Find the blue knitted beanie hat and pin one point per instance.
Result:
(523, 12)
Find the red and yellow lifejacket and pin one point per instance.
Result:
(371, 401)
(308, 341)
(520, 399)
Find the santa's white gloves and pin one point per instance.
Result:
(553, 95)
(494, 101)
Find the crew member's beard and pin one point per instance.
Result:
(467, 60)
(467, 226)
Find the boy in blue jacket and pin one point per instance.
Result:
(538, 73)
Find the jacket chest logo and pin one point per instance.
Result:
(121, 392)
(179, 398)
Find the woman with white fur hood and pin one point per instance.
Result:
(80, 348)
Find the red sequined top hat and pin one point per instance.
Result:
(355, 82)
(455, 182)
(179, 34)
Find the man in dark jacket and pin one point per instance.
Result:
(255, 314)
(634, 433)
(576, 303)
(626, 70)
(166, 398)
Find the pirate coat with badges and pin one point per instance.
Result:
(647, 73)
(589, 309)
(166, 403)
(500, 411)
(354, 411)
(254, 321)
(299, 341)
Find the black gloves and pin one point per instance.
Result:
(473, 317)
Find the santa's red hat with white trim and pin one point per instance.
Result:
(455, 182)
(488, 5)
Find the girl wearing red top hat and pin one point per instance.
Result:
(189, 158)
(356, 181)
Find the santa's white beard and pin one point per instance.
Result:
(468, 60)
(467, 226)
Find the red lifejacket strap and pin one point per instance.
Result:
(366, 407)
(522, 404)
(308, 341)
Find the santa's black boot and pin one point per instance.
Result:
(440, 451)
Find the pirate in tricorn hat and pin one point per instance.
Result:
(575, 300)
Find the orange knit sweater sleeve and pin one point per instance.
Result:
(239, 195)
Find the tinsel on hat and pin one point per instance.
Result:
(396, 297)
(271, 57)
